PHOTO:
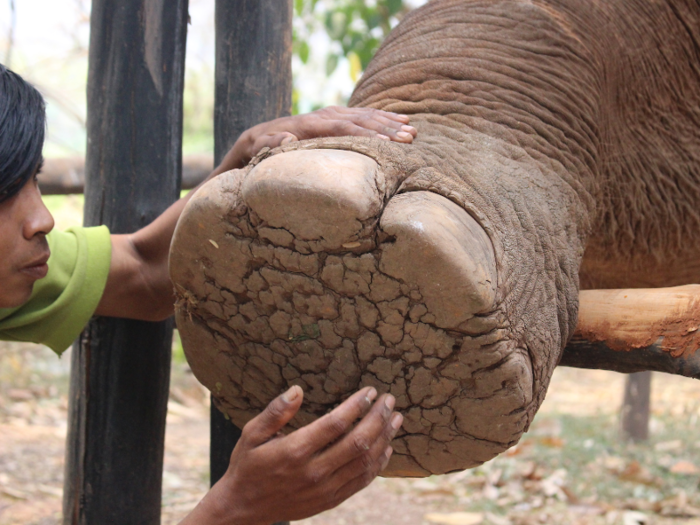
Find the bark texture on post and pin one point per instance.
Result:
(120, 368)
(253, 85)
(635, 407)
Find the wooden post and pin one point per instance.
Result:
(253, 85)
(120, 368)
(634, 416)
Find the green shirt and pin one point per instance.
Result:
(63, 302)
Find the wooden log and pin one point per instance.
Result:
(66, 176)
(120, 368)
(253, 85)
(635, 330)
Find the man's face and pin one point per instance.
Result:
(24, 251)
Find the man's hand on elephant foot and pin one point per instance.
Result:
(333, 121)
(274, 140)
(338, 121)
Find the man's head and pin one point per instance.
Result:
(24, 220)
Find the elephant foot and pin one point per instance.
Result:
(307, 270)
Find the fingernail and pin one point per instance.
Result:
(389, 402)
(404, 135)
(371, 395)
(291, 394)
(408, 128)
(396, 421)
(384, 137)
(387, 456)
(287, 140)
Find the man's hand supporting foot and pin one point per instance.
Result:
(274, 477)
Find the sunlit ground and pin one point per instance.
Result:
(571, 468)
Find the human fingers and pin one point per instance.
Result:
(366, 128)
(398, 117)
(386, 127)
(327, 429)
(368, 122)
(370, 461)
(394, 129)
(357, 483)
(317, 489)
(369, 437)
(272, 140)
(271, 420)
(386, 119)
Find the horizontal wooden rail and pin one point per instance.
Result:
(633, 330)
(65, 176)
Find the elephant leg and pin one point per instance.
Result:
(445, 272)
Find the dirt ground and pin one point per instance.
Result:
(571, 468)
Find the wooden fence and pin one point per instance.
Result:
(120, 368)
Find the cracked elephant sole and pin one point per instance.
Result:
(308, 270)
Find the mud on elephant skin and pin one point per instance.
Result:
(447, 271)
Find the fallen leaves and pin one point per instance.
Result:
(563, 472)
(634, 518)
(668, 446)
(636, 473)
(684, 467)
(455, 518)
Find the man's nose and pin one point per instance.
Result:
(39, 219)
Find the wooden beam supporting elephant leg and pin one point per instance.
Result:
(638, 329)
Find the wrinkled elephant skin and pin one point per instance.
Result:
(558, 148)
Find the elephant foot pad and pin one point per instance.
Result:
(305, 270)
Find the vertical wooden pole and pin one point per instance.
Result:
(253, 85)
(224, 436)
(120, 368)
(636, 407)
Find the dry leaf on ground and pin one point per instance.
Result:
(455, 518)
(684, 467)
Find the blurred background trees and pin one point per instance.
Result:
(336, 39)
(46, 41)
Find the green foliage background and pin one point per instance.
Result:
(358, 26)
(355, 28)
(351, 31)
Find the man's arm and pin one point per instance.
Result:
(138, 285)
(274, 478)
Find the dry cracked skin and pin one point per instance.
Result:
(307, 269)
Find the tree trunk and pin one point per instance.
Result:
(253, 85)
(120, 368)
(635, 407)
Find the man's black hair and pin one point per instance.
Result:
(22, 125)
